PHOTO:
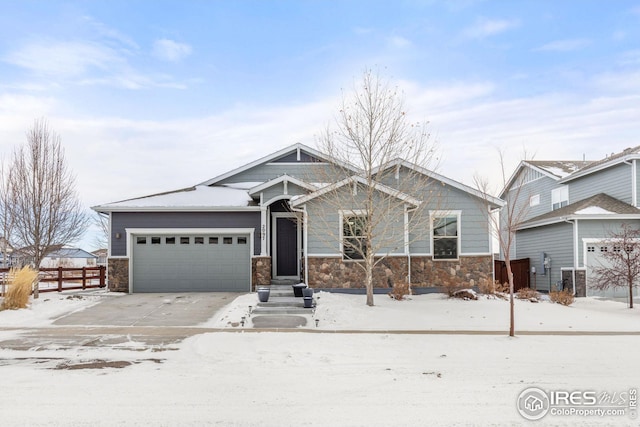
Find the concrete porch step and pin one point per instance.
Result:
(281, 310)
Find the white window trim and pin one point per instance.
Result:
(441, 213)
(342, 213)
(561, 194)
(534, 200)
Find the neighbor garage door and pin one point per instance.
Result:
(191, 263)
(595, 259)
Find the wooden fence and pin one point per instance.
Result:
(520, 270)
(66, 279)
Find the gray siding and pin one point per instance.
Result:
(556, 241)
(324, 227)
(435, 195)
(541, 186)
(615, 181)
(597, 229)
(308, 172)
(123, 220)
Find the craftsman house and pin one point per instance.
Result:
(261, 222)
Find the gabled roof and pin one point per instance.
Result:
(554, 169)
(198, 198)
(70, 253)
(612, 160)
(600, 206)
(301, 200)
(274, 156)
(263, 186)
(494, 201)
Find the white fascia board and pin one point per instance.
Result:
(600, 167)
(274, 156)
(107, 209)
(376, 185)
(618, 217)
(522, 165)
(451, 182)
(281, 179)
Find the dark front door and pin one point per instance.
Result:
(286, 247)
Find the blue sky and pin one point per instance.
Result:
(150, 96)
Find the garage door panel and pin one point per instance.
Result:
(198, 267)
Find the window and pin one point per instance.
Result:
(591, 248)
(170, 240)
(445, 236)
(242, 240)
(227, 240)
(213, 240)
(559, 197)
(185, 240)
(354, 244)
(141, 240)
(534, 200)
(198, 240)
(155, 240)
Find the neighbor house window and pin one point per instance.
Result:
(534, 200)
(354, 244)
(445, 236)
(559, 197)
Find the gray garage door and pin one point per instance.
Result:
(595, 259)
(191, 263)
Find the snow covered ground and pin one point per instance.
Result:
(299, 378)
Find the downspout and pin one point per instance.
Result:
(575, 252)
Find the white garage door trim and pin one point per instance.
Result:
(611, 292)
(133, 232)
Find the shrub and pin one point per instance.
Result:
(564, 297)
(527, 293)
(487, 287)
(20, 286)
(451, 287)
(399, 291)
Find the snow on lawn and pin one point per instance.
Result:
(437, 312)
(48, 307)
(302, 379)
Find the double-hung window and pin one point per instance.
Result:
(354, 244)
(446, 239)
(559, 197)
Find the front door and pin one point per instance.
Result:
(286, 247)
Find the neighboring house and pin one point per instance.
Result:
(571, 208)
(102, 255)
(260, 222)
(6, 253)
(69, 257)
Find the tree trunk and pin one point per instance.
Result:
(512, 331)
(369, 279)
(631, 295)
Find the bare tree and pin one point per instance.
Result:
(45, 209)
(505, 224)
(6, 219)
(101, 224)
(622, 269)
(379, 152)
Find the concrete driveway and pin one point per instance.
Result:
(162, 309)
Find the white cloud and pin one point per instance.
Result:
(63, 59)
(399, 41)
(169, 50)
(564, 45)
(489, 27)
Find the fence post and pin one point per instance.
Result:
(103, 276)
(84, 278)
(59, 279)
